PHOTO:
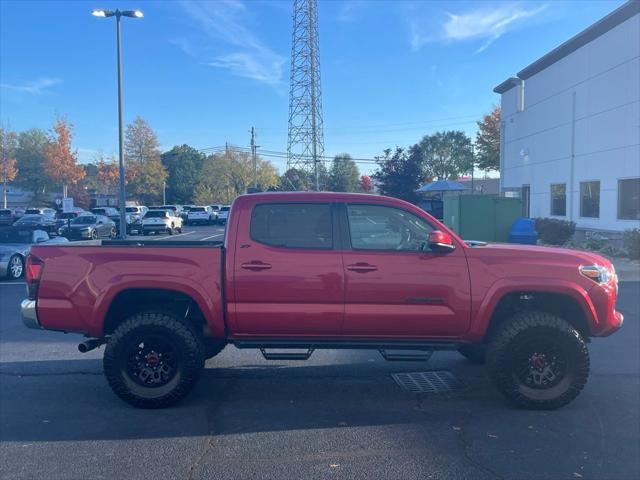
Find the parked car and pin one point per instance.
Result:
(184, 213)
(300, 270)
(134, 216)
(223, 214)
(6, 216)
(176, 209)
(161, 221)
(200, 214)
(39, 221)
(15, 243)
(89, 227)
(50, 212)
(64, 218)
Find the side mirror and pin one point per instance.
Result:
(441, 242)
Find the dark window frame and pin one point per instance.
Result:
(582, 215)
(551, 211)
(349, 241)
(335, 242)
(618, 215)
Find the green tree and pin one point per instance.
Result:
(229, 174)
(446, 154)
(344, 175)
(294, 180)
(400, 173)
(488, 141)
(144, 170)
(184, 168)
(31, 161)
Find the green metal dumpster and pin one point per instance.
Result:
(481, 217)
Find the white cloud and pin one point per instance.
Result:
(225, 23)
(36, 87)
(486, 24)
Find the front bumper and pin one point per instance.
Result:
(29, 315)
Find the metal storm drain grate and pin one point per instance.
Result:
(436, 381)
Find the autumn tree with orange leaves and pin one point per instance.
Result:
(8, 169)
(61, 162)
(107, 174)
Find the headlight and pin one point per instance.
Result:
(597, 273)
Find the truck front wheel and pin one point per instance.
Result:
(152, 360)
(538, 360)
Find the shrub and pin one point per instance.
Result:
(613, 251)
(595, 243)
(632, 242)
(554, 231)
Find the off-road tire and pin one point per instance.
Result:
(189, 353)
(512, 339)
(475, 353)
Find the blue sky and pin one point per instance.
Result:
(203, 73)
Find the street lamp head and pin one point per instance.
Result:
(132, 13)
(102, 13)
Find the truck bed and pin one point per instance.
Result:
(80, 281)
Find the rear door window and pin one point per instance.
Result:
(293, 225)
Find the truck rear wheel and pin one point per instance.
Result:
(152, 360)
(538, 360)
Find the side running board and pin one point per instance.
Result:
(406, 356)
(286, 355)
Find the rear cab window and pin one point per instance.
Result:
(293, 225)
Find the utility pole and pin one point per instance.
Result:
(254, 158)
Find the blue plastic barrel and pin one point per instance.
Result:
(523, 231)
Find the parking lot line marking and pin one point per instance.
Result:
(168, 237)
(212, 236)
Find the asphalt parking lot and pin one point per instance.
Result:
(338, 415)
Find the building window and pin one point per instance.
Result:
(629, 199)
(559, 199)
(590, 199)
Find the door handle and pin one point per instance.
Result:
(256, 266)
(362, 267)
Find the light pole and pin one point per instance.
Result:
(122, 199)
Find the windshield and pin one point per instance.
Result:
(32, 211)
(156, 214)
(225, 209)
(132, 209)
(84, 220)
(67, 215)
(5, 213)
(15, 236)
(197, 209)
(173, 208)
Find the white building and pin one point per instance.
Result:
(570, 142)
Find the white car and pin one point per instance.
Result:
(199, 214)
(158, 221)
(223, 214)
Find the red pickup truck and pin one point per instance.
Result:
(302, 271)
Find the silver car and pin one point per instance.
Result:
(15, 243)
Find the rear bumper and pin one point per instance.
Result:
(29, 315)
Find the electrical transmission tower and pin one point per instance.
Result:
(305, 146)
